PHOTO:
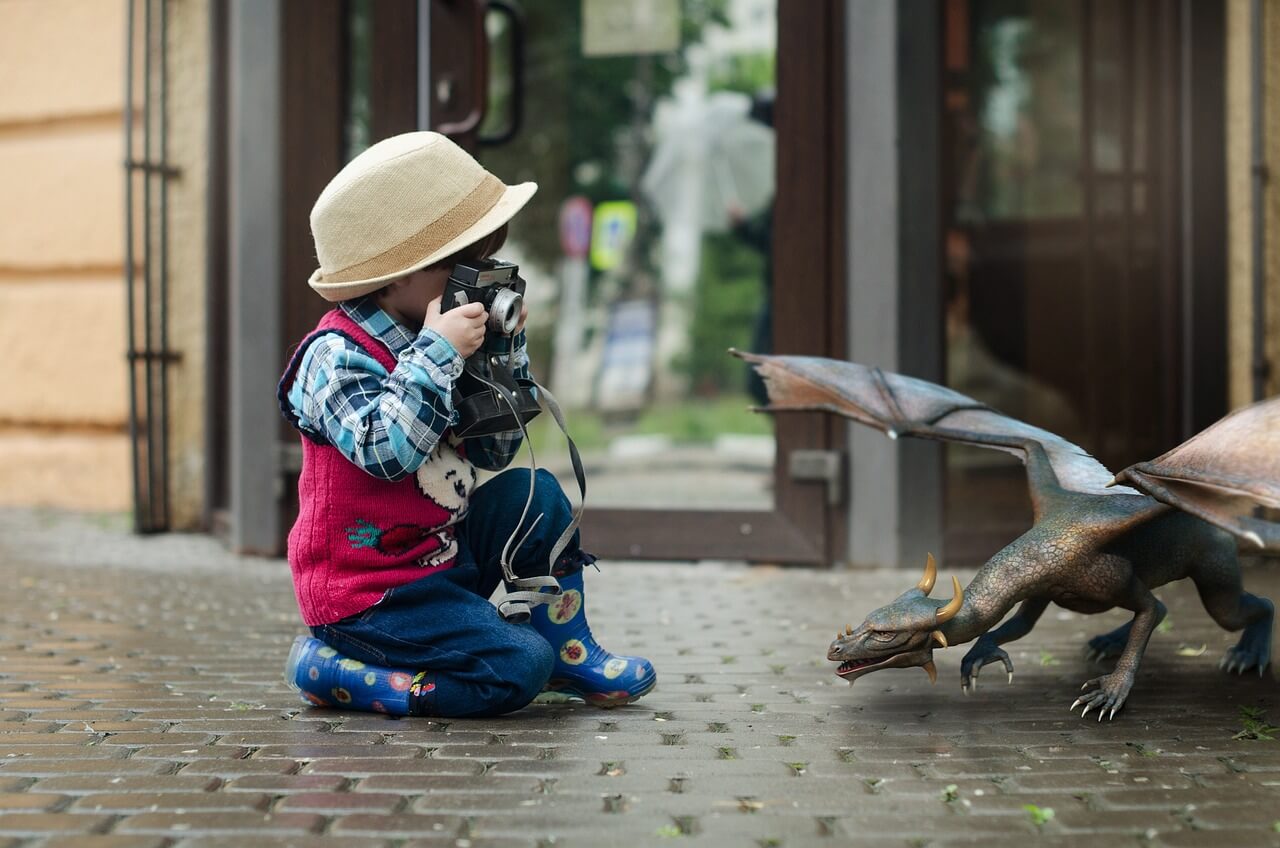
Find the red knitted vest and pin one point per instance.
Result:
(357, 535)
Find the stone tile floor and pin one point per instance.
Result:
(141, 704)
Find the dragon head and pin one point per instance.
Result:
(901, 634)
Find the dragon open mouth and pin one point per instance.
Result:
(854, 666)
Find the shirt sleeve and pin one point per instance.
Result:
(386, 423)
(495, 452)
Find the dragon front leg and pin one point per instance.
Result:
(986, 649)
(1111, 644)
(1108, 693)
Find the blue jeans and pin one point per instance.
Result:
(444, 623)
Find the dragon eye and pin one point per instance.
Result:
(882, 636)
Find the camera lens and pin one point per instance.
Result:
(504, 312)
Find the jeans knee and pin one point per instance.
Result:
(529, 666)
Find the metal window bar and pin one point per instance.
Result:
(146, 277)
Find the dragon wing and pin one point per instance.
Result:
(1222, 473)
(907, 406)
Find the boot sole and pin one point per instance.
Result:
(602, 700)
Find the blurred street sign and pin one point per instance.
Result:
(627, 365)
(614, 225)
(630, 27)
(575, 227)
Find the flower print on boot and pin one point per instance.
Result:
(583, 668)
(325, 678)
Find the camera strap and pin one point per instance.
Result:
(531, 591)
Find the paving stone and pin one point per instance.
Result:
(249, 823)
(287, 784)
(36, 824)
(282, 841)
(14, 802)
(106, 841)
(403, 825)
(83, 784)
(110, 766)
(342, 802)
(235, 768)
(133, 802)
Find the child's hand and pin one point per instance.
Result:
(463, 325)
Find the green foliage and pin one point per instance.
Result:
(1255, 725)
(730, 294)
(1039, 815)
(590, 111)
(1047, 659)
(749, 73)
(950, 793)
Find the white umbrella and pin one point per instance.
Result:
(710, 157)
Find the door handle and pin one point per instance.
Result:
(515, 112)
(819, 466)
(479, 72)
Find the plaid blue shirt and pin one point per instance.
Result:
(388, 424)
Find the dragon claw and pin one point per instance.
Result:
(1110, 692)
(984, 652)
(1077, 702)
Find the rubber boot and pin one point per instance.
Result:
(327, 679)
(583, 668)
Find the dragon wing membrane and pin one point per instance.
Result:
(1222, 472)
(906, 406)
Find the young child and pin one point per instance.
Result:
(395, 551)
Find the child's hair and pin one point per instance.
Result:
(482, 249)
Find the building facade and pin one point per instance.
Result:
(1047, 205)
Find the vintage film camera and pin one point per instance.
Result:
(488, 396)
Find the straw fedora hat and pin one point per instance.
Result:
(403, 204)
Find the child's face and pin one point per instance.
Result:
(406, 299)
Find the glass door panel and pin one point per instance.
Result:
(649, 130)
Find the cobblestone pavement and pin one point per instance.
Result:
(141, 704)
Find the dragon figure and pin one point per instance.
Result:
(1095, 545)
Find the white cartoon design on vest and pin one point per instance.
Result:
(447, 478)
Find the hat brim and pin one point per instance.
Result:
(512, 201)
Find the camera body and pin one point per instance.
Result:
(492, 282)
(488, 395)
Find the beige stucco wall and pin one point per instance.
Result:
(63, 439)
(1239, 197)
(62, 433)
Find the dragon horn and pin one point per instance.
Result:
(949, 611)
(932, 670)
(940, 639)
(930, 576)
(848, 630)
